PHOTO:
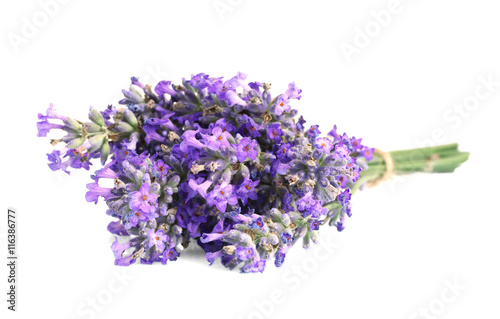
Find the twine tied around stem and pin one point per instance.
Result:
(430, 163)
(389, 168)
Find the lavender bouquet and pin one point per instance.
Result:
(223, 164)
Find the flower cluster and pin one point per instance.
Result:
(218, 162)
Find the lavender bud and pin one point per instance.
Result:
(314, 236)
(125, 127)
(72, 124)
(316, 154)
(168, 191)
(323, 182)
(130, 117)
(174, 180)
(302, 230)
(286, 219)
(275, 214)
(96, 142)
(72, 144)
(323, 171)
(104, 151)
(306, 241)
(155, 188)
(170, 218)
(177, 229)
(96, 117)
(273, 239)
(91, 127)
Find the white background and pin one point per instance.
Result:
(407, 240)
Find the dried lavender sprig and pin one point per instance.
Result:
(86, 140)
(222, 163)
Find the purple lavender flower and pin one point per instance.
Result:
(136, 217)
(157, 239)
(189, 139)
(201, 80)
(300, 124)
(309, 205)
(342, 180)
(169, 254)
(257, 223)
(293, 92)
(116, 227)
(256, 266)
(95, 191)
(239, 80)
(279, 258)
(212, 256)
(344, 199)
(313, 132)
(367, 153)
(221, 196)
(119, 248)
(44, 126)
(160, 168)
(198, 188)
(205, 238)
(233, 98)
(143, 200)
(221, 89)
(246, 149)
(306, 202)
(247, 190)
(274, 132)
(356, 144)
(245, 253)
(325, 144)
(218, 139)
(106, 172)
(152, 135)
(224, 125)
(249, 127)
(282, 105)
(342, 150)
(283, 150)
(165, 87)
(314, 224)
(55, 162)
(286, 238)
(340, 226)
(51, 114)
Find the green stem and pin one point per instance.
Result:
(437, 159)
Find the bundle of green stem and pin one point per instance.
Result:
(437, 159)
